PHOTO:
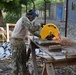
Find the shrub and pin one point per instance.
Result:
(11, 18)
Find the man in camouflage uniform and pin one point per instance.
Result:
(18, 43)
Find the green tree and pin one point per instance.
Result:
(40, 3)
(7, 5)
(12, 6)
(11, 18)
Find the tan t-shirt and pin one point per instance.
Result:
(21, 27)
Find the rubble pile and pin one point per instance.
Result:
(5, 51)
(65, 70)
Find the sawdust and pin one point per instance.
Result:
(67, 42)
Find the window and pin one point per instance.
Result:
(73, 6)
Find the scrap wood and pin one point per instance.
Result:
(67, 42)
(55, 48)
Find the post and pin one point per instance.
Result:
(45, 12)
(66, 18)
(7, 32)
(7, 26)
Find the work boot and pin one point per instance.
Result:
(27, 73)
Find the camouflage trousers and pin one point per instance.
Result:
(18, 57)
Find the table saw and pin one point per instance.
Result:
(50, 42)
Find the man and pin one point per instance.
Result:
(18, 43)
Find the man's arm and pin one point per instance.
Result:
(34, 29)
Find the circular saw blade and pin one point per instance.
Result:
(47, 29)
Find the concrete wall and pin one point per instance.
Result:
(53, 10)
(71, 11)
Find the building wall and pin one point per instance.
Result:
(72, 11)
(53, 10)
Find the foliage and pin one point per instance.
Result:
(40, 3)
(9, 5)
(25, 2)
(13, 5)
(11, 18)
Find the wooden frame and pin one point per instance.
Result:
(48, 69)
(7, 26)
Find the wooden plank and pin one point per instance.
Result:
(47, 42)
(34, 58)
(55, 48)
(44, 72)
(50, 69)
(70, 50)
(64, 62)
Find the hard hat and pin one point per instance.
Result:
(32, 11)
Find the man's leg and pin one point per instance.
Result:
(15, 56)
(25, 58)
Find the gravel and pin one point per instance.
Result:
(63, 70)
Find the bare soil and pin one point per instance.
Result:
(4, 67)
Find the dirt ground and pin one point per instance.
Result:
(5, 67)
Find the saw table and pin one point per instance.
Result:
(67, 56)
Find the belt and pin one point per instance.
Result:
(19, 39)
